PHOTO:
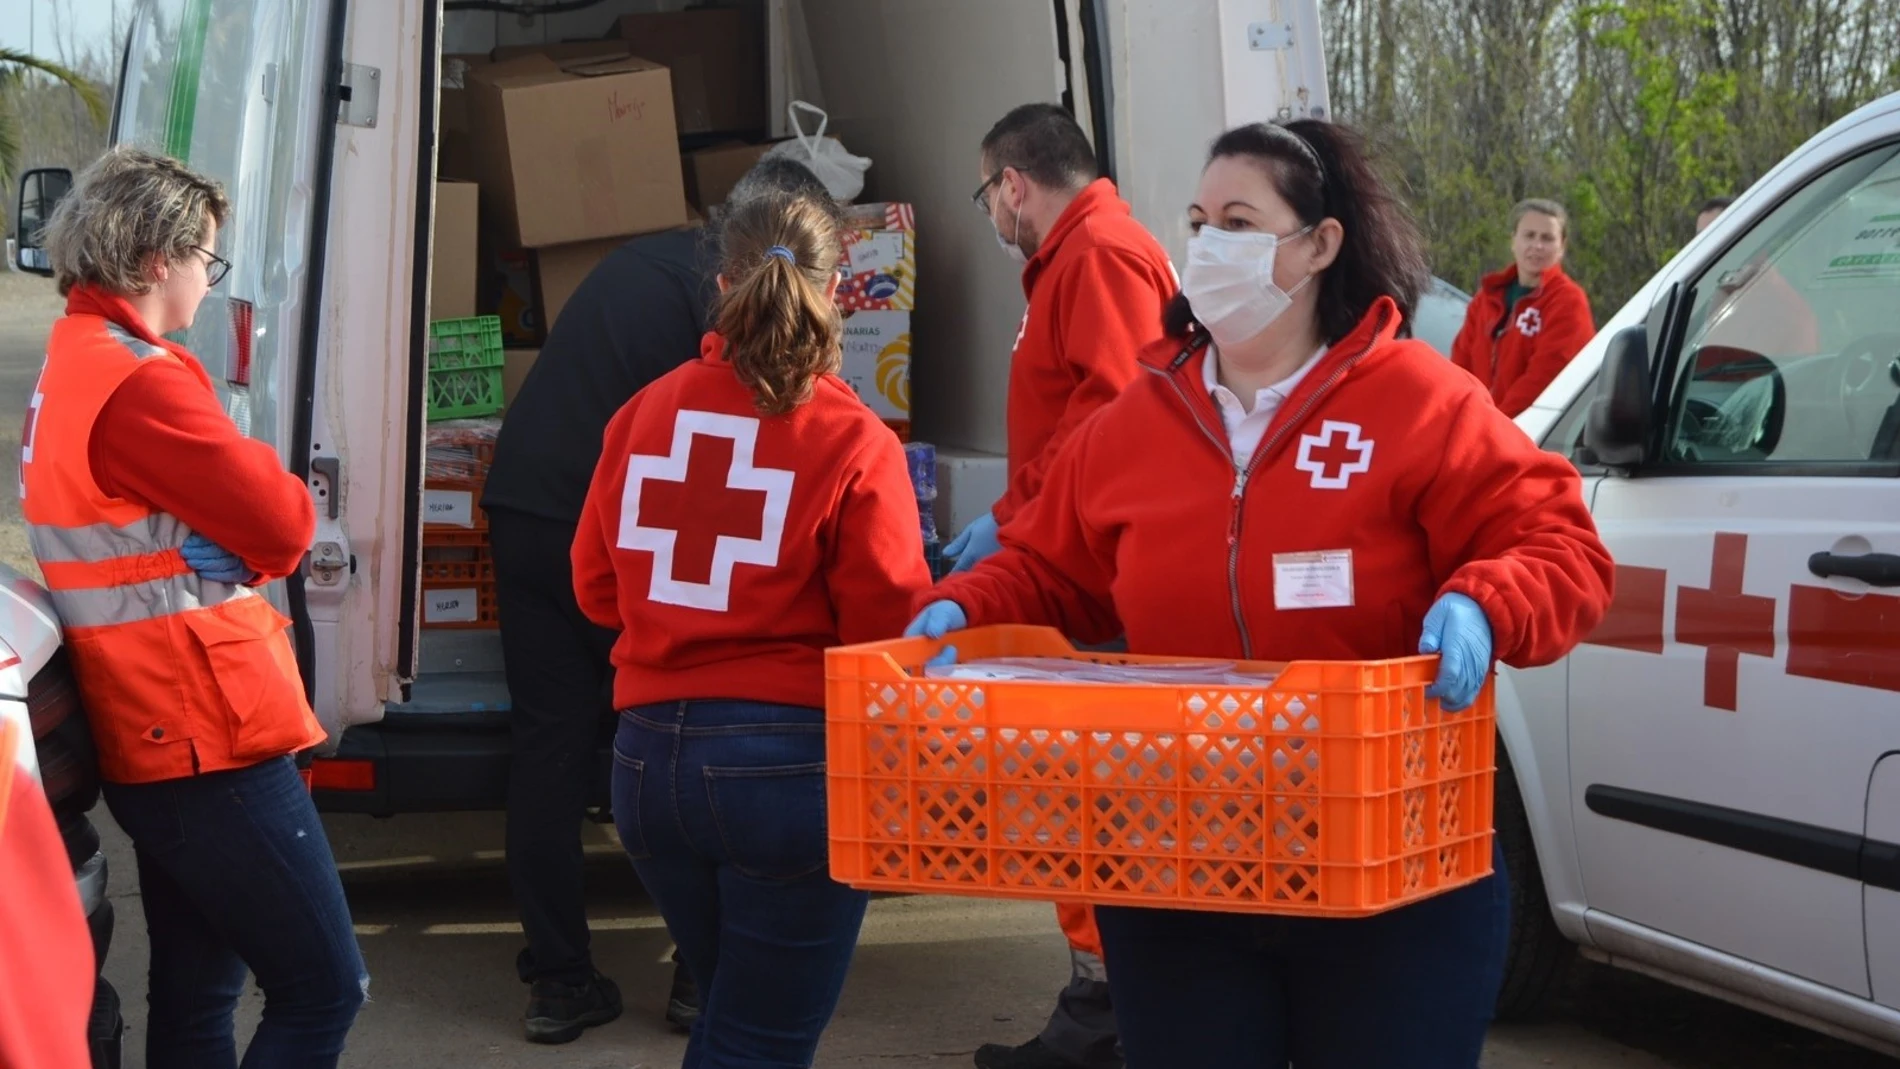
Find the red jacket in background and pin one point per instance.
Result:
(1383, 452)
(730, 549)
(1548, 327)
(1097, 288)
(46, 953)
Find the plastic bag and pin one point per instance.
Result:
(840, 171)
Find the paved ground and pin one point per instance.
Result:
(934, 978)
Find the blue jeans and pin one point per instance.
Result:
(721, 806)
(236, 877)
(1409, 989)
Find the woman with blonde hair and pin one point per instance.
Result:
(748, 512)
(154, 519)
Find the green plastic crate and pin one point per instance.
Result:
(465, 361)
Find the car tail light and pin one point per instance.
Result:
(238, 372)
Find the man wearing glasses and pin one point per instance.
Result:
(1097, 283)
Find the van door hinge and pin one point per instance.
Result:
(1270, 36)
(359, 94)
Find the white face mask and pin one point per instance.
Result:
(1012, 247)
(1229, 282)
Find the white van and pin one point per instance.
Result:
(1717, 811)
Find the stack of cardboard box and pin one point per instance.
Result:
(553, 155)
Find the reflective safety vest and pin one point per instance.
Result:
(179, 675)
(46, 953)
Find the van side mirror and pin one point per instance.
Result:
(1616, 432)
(41, 190)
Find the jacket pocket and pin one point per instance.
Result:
(254, 677)
(125, 704)
(771, 820)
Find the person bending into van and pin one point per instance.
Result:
(638, 315)
(1097, 283)
(1527, 320)
(153, 519)
(748, 512)
(1291, 480)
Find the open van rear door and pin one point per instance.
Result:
(308, 339)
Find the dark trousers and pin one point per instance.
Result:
(560, 684)
(1082, 1028)
(1410, 989)
(721, 806)
(236, 878)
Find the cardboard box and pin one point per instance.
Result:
(877, 361)
(514, 372)
(454, 260)
(712, 172)
(880, 250)
(455, 151)
(717, 56)
(564, 51)
(577, 152)
(561, 268)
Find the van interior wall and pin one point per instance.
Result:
(914, 85)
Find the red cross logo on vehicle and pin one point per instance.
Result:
(704, 509)
(1529, 322)
(1832, 636)
(1334, 455)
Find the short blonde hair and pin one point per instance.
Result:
(1541, 207)
(128, 206)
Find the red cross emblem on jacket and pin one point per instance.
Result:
(1334, 455)
(704, 509)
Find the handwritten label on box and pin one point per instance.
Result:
(880, 250)
(461, 605)
(455, 508)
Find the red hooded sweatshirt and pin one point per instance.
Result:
(1097, 288)
(1386, 471)
(1547, 328)
(730, 549)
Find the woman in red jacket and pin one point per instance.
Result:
(748, 512)
(1291, 480)
(1529, 319)
(154, 520)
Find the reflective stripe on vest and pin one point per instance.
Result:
(100, 574)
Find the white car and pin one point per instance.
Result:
(1711, 784)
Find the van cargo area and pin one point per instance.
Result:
(579, 129)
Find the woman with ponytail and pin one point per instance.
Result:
(748, 512)
(1292, 479)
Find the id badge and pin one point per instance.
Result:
(1321, 580)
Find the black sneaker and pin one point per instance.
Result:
(559, 1013)
(682, 1004)
(1031, 1055)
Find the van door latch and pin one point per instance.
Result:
(1269, 36)
(361, 91)
(328, 563)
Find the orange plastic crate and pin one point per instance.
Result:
(1338, 791)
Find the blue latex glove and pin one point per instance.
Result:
(213, 561)
(1458, 631)
(976, 542)
(938, 619)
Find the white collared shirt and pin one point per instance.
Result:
(1244, 428)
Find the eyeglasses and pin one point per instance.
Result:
(981, 198)
(216, 267)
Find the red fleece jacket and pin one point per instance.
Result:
(1547, 328)
(1384, 452)
(730, 549)
(164, 440)
(1097, 287)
